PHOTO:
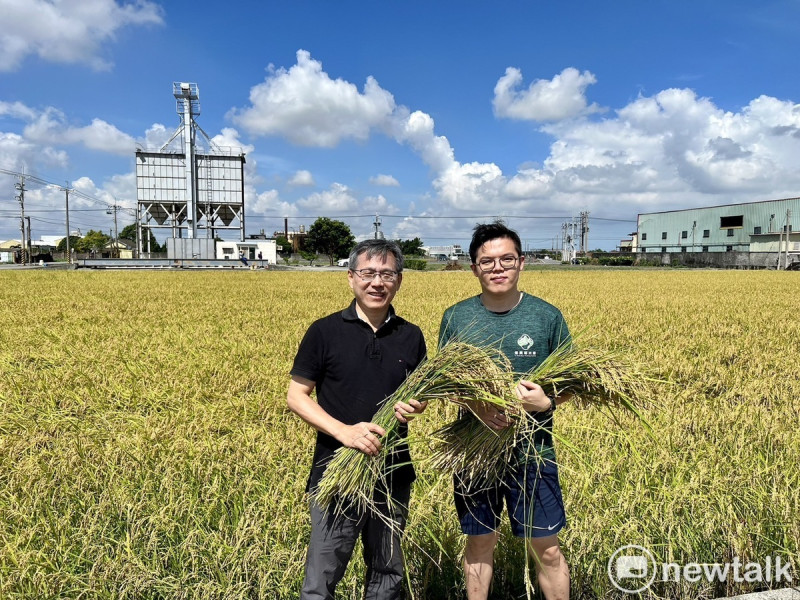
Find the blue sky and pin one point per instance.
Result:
(436, 115)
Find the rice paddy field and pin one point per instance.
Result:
(146, 450)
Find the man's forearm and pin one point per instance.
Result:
(364, 437)
(304, 406)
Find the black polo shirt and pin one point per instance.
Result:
(354, 369)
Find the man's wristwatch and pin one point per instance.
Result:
(552, 403)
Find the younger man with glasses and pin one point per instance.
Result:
(355, 359)
(526, 329)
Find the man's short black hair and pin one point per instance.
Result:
(486, 232)
(372, 248)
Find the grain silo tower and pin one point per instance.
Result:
(190, 187)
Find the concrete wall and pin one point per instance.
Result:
(721, 260)
(190, 248)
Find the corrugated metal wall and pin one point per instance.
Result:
(703, 230)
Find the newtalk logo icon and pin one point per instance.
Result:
(632, 569)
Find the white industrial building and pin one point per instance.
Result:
(443, 252)
(755, 234)
(250, 249)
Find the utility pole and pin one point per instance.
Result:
(28, 223)
(112, 209)
(584, 232)
(788, 231)
(66, 206)
(20, 187)
(377, 223)
(116, 231)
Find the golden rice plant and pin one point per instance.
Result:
(458, 371)
(591, 376)
(146, 450)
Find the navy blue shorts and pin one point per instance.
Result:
(538, 511)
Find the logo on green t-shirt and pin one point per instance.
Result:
(526, 343)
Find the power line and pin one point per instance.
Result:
(72, 191)
(71, 210)
(40, 220)
(383, 216)
(449, 217)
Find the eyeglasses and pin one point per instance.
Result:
(369, 275)
(506, 262)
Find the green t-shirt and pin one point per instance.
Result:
(526, 334)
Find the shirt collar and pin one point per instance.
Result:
(350, 314)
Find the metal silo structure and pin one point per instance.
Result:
(191, 190)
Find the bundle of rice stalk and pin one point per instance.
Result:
(459, 370)
(471, 451)
(593, 377)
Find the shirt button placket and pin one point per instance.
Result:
(375, 350)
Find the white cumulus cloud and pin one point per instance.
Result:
(228, 138)
(18, 153)
(302, 178)
(673, 149)
(50, 127)
(155, 137)
(307, 107)
(263, 202)
(67, 31)
(417, 130)
(337, 198)
(384, 180)
(379, 205)
(17, 110)
(679, 145)
(562, 97)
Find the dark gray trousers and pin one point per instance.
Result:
(332, 542)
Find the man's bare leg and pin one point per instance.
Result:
(551, 567)
(478, 558)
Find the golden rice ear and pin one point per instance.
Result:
(458, 370)
(471, 373)
(470, 450)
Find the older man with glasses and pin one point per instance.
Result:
(527, 330)
(355, 359)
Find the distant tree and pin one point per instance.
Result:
(73, 243)
(129, 233)
(411, 247)
(285, 244)
(331, 237)
(309, 256)
(93, 240)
